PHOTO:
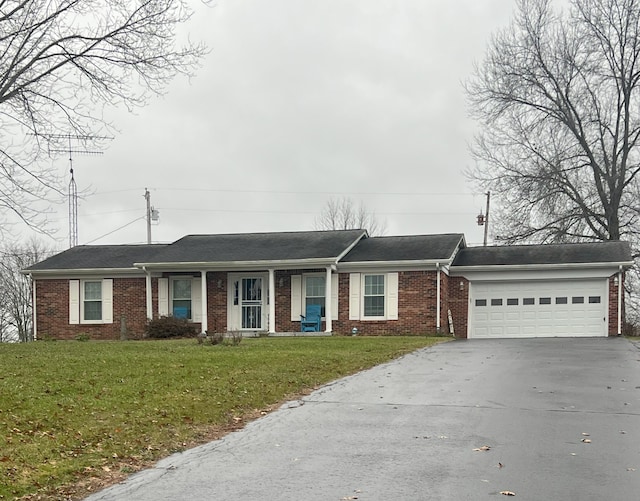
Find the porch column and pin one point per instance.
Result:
(203, 286)
(272, 301)
(620, 293)
(328, 300)
(438, 311)
(149, 294)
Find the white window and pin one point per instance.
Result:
(373, 296)
(315, 292)
(181, 298)
(91, 301)
(311, 289)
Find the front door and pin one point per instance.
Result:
(251, 303)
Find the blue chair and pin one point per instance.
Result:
(312, 320)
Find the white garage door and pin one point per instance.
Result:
(538, 309)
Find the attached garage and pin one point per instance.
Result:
(566, 290)
(538, 308)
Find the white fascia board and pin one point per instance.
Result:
(541, 267)
(418, 265)
(290, 264)
(84, 272)
(498, 274)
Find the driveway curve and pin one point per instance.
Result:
(560, 419)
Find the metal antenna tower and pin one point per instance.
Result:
(73, 187)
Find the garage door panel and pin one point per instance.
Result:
(539, 308)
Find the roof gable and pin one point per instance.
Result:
(558, 254)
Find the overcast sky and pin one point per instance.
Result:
(299, 101)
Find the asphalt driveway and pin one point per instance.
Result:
(561, 418)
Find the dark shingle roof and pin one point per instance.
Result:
(578, 253)
(406, 248)
(257, 247)
(98, 257)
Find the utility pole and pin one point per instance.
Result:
(486, 220)
(483, 219)
(152, 214)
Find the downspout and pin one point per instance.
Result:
(328, 299)
(33, 308)
(620, 292)
(438, 299)
(272, 301)
(149, 293)
(204, 301)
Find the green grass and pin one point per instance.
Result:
(71, 411)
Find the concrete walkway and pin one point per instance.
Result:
(561, 418)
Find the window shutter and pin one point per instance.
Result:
(354, 296)
(392, 296)
(296, 297)
(163, 297)
(196, 300)
(74, 301)
(334, 296)
(107, 301)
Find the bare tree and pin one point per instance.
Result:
(16, 312)
(61, 63)
(343, 214)
(557, 98)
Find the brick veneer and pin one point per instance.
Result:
(52, 311)
(459, 304)
(417, 310)
(614, 290)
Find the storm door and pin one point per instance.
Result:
(251, 303)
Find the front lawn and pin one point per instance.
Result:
(75, 416)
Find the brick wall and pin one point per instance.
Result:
(52, 312)
(614, 290)
(217, 288)
(459, 304)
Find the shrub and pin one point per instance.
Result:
(170, 327)
(216, 338)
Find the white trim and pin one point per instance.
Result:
(272, 301)
(163, 297)
(620, 292)
(416, 265)
(534, 267)
(328, 300)
(204, 301)
(296, 297)
(74, 302)
(107, 301)
(196, 299)
(149, 295)
(506, 275)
